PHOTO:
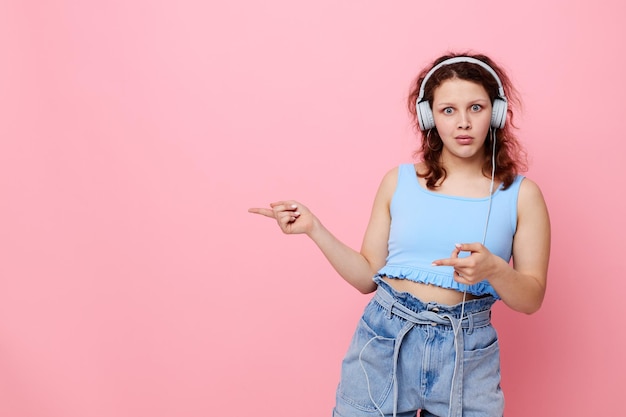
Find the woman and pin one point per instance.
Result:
(438, 245)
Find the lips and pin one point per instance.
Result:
(464, 139)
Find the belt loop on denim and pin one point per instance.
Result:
(390, 310)
(470, 323)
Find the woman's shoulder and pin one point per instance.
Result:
(529, 193)
(532, 211)
(391, 178)
(528, 186)
(407, 168)
(403, 169)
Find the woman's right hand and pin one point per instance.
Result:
(291, 216)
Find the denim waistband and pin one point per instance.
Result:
(415, 304)
(433, 313)
(477, 315)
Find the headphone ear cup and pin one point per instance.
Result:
(498, 113)
(425, 115)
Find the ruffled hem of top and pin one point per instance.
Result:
(436, 279)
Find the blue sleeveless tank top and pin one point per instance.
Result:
(425, 226)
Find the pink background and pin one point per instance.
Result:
(135, 134)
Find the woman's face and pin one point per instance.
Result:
(462, 114)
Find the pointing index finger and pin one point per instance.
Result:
(451, 261)
(445, 262)
(262, 211)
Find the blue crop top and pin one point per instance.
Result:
(425, 226)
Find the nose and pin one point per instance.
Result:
(464, 121)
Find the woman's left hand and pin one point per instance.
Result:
(472, 269)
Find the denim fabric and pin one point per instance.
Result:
(403, 357)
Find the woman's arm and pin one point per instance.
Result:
(523, 286)
(357, 268)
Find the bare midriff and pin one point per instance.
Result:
(429, 293)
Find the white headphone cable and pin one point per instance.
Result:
(493, 174)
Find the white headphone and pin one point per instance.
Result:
(425, 114)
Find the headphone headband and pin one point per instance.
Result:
(456, 60)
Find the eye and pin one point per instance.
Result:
(476, 107)
(448, 110)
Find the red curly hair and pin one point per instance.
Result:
(510, 155)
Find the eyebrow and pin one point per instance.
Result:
(478, 100)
